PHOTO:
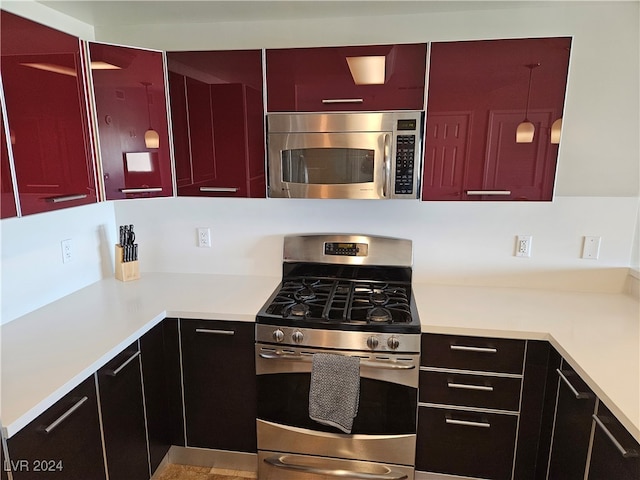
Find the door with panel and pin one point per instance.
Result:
(44, 90)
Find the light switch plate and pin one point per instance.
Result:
(591, 247)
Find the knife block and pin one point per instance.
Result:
(126, 271)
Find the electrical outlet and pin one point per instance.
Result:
(204, 237)
(67, 250)
(591, 248)
(523, 245)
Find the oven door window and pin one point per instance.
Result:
(385, 408)
(328, 165)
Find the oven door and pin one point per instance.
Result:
(330, 165)
(384, 429)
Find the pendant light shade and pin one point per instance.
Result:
(526, 130)
(151, 137)
(556, 130)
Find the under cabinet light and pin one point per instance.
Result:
(369, 70)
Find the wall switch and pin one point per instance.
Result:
(591, 247)
(67, 250)
(523, 245)
(204, 237)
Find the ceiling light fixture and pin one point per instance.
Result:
(369, 70)
(556, 130)
(151, 137)
(526, 129)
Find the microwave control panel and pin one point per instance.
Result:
(405, 153)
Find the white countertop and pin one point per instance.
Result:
(48, 352)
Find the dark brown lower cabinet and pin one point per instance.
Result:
(219, 384)
(123, 416)
(466, 443)
(62, 443)
(572, 430)
(615, 454)
(160, 354)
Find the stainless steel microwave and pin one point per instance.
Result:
(345, 155)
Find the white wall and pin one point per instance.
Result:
(597, 183)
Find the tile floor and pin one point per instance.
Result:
(189, 472)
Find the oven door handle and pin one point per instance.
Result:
(389, 475)
(386, 165)
(364, 363)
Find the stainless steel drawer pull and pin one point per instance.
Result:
(215, 332)
(464, 386)
(342, 100)
(281, 462)
(464, 348)
(66, 198)
(65, 415)
(488, 192)
(626, 453)
(467, 423)
(219, 189)
(141, 190)
(578, 395)
(115, 372)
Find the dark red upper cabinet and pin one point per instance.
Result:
(217, 117)
(7, 197)
(325, 79)
(44, 90)
(131, 114)
(479, 92)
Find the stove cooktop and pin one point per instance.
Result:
(345, 304)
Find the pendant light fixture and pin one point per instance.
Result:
(151, 137)
(556, 130)
(526, 129)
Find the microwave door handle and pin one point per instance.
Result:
(387, 164)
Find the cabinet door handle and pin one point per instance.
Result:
(626, 453)
(488, 192)
(219, 189)
(65, 415)
(464, 386)
(578, 395)
(215, 332)
(386, 169)
(115, 372)
(66, 198)
(464, 348)
(141, 190)
(342, 100)
(467, 423)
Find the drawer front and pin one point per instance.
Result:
(499, 393)
(469, 444)
(473, 353)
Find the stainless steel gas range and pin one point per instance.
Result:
(337, 361)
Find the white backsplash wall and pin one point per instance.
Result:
(453, 242)
(32, 271)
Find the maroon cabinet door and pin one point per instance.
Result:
(478, 94)
(130, 100)
(320, 79)
(7, 198)
(46, 106)
(218, 122)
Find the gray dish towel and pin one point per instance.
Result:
(334, 394)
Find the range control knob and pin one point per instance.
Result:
(372, 343)
(393, 343)
(278, 335)
(297, 336)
